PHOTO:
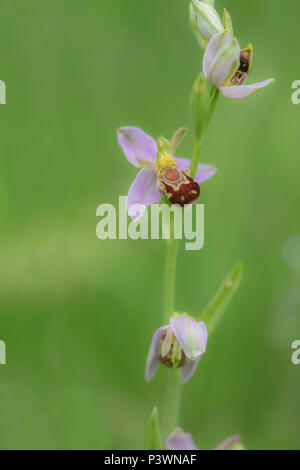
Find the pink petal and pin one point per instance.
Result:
(188, 370)
(179, 440)
(219, 58)
(229, 442)
(144, 192)
(242, 91)
(191, 335)
(136, 143)
(203, 173)
(210, 54)
(152, 360)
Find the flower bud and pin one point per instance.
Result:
(226, 66)
(221, 59)
(227, 22)
(200, 104)
(206, 19)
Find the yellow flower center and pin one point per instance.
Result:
(164, 162)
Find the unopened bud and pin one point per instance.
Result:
(206, 19)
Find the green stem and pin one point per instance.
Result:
(196, 155)
(214, 99)
(173, 389)
(170, 269)
(200, 138)
(172, 405)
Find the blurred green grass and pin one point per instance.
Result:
(77, 314)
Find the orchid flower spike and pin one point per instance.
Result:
(161, 173)
(226, 66)
(178, 345)
(179, 440)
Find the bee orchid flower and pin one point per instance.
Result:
(180, 440)
(226, 66)
(160, 172)
(181, 344)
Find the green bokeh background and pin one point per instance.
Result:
(77, 314)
